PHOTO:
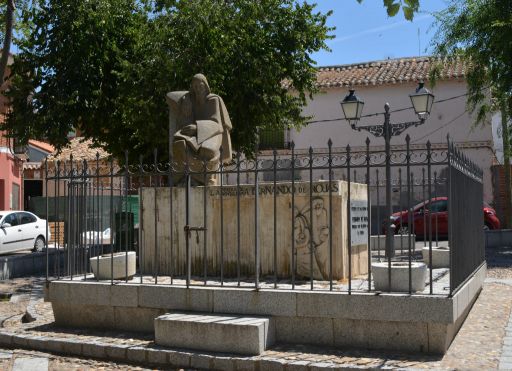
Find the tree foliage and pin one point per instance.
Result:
(481, 32)
(409, 7)
(104, 66)
(9, 28)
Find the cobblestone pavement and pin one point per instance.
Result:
(10, 360)
(484, 340)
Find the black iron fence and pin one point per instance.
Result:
(317, 224)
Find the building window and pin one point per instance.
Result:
(274, 139)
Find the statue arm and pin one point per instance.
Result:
(173, 101)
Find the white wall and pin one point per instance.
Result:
(326, 105)
(448, 117)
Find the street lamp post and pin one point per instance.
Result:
(352, 106)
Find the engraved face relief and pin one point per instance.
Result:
(312, 235)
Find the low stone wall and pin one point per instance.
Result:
(418, 323)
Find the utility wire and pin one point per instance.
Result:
(441, 127)
(393, 111)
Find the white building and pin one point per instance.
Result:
(392, 81)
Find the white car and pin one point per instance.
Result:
(97, 238)
(21, 230)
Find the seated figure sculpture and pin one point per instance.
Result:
(199, 126)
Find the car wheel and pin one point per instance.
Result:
(39, 245)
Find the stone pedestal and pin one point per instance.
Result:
(307, 224)
(440, 256)
(399, 276)
(116, 265)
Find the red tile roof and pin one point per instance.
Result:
(390, 71)
(46, 147)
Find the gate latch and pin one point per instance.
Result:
(188, 231)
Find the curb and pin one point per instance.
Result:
(158, 356)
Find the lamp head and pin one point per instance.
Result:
(422, 101)
(352, 106)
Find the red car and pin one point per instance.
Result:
(438, 208)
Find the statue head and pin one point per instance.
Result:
(199, 86)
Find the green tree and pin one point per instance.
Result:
(481, 31)
(9, 27)
(104, 66)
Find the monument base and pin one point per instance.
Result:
(295, 230)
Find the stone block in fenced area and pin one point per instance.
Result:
(116, 266)
(215, 332)
(304, 219)
(440, 256)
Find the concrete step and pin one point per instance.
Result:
(215, 332)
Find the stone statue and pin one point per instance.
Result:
(199, 126)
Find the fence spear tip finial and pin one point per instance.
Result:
(292, 144)
(407, 138)
(329, 142)
(367, 141)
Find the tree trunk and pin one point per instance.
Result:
(9, 24)
(506, 164)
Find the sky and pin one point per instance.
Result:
(364, 32)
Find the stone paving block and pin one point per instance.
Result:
(136, 354)
(175, 298)
(157, 356)
(269, 303)
(59, 291)
(124, 318)
(179, 359)
(54, 345)
(37, 343)
(297, 330)
(224, 363)
(20, 340)
(247, 364)
(5, 339)
(117, 352)
(30, 364)
(72, 347)
(217, 333)
(124, 295)
(394, 307)
(93, 349)
(91, 293)
(272, 364)
(201, 361)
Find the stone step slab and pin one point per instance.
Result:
(215, 332)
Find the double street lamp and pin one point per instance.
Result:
(422, 100)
